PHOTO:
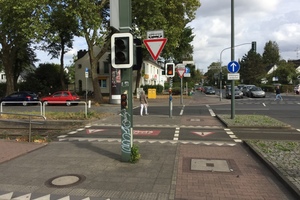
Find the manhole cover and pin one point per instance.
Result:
(210, 165)
(65, 180)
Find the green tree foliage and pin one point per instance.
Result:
(45, 79)
(271, 54)
(285, 72)
(59, 36)
(20, 22)
(172, 16)
(92, 17)
(252, 69)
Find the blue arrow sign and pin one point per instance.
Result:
(187, 70)
(233, 67)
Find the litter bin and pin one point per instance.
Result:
(151, 93)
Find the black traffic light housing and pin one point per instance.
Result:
(253, 46)
(124, 101)
(122, 50)
(170, 70)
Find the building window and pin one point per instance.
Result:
(79, 66)
(98, 68)
(80, 85)
(106, 67)
(103, 83)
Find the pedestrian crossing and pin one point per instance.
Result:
(32, 196)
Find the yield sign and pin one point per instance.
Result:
(180, 72)
(203, 134)
(155, 46)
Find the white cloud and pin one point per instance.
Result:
(255, 20)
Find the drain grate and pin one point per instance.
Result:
(210, 165)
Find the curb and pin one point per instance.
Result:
(287, 183)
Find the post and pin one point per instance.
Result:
(126, 87)
(181, 96)
(232, 59)
(170, 98)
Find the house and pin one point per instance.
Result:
(151, 73)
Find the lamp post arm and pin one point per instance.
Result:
(221, 64)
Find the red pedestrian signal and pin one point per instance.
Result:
(170, 69)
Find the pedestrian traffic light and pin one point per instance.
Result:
(123, 101)
(122, 50)
(253, 44)
(170, 70)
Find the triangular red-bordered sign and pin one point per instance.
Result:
(155, 46)
(180, 72)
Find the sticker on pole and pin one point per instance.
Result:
(155, 46)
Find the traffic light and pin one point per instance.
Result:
(123, 101)
(170, 70)
(253, 48)
(122, 50)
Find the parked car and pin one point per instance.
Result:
(62, 97)
(256, 92)
(210, 90)
(297, 89)
(24, 97)
(238, 94)
(246, 89)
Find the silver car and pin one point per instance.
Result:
(246, 89)
(256, 92)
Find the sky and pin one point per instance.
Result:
(255, 20)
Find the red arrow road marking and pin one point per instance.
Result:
(146, 132)
(203, 134)
(89, 131)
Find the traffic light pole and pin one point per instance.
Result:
(126, 87)
(170, 98)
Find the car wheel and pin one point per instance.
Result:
(68, 103)
(46, 103)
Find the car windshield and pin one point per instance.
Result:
(256, 89)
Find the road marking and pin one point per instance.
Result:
(232, 135)
(203, 134)
(181, 112)
(264, 104)
(298, 130)
(211, 111)
(176, 135)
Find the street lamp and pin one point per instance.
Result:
(221, 64)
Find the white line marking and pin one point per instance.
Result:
(264, 104)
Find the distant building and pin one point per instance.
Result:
(151, 73)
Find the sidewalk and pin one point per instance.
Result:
(167, 170)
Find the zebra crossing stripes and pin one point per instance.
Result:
(31, 196)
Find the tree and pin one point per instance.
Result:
(271, 54)
(59, 36)
(252, 69)
(45, 79)
(156, 15)
(20, 23)
(285, 72)
(92, 18)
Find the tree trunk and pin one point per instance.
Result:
(62, 77)
(7, 59)
(138, 79)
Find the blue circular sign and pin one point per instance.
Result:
(233, 67)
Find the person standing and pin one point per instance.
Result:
(144, 103)
(278, 95)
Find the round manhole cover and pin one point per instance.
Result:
(65, 180)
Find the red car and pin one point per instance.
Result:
(62, 97)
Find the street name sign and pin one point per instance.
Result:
(233, 76)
